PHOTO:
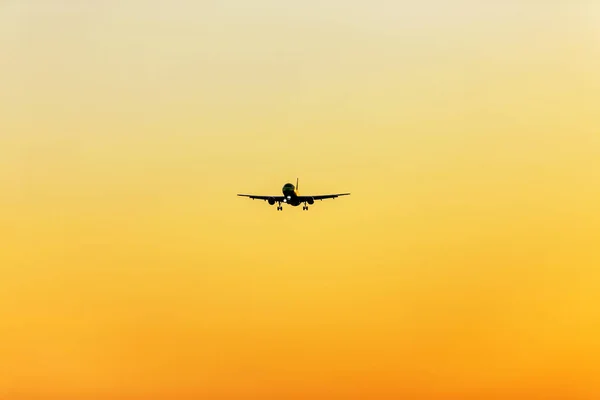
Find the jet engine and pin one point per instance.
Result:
(310, 200)
(271, 201)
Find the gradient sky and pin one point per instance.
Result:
(465, 265)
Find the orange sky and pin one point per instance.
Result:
(463, 266)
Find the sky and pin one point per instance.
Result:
(463, 266)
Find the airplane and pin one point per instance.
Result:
(292, 197)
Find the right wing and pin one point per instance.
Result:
(327, 196)
(265, 198)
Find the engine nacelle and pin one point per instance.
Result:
(310, 200)
(271, 200)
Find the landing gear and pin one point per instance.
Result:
(305, 207)
(279, 208)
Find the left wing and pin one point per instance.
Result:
(323, 196)
(265, 198)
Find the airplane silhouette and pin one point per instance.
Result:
(292, 197)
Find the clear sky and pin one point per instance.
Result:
(463, 266)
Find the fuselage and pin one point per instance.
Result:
(290, 194)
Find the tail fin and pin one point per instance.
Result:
(296, 183)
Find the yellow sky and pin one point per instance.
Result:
(463, 266)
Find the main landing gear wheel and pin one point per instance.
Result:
(279, 208)
(305, 208)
